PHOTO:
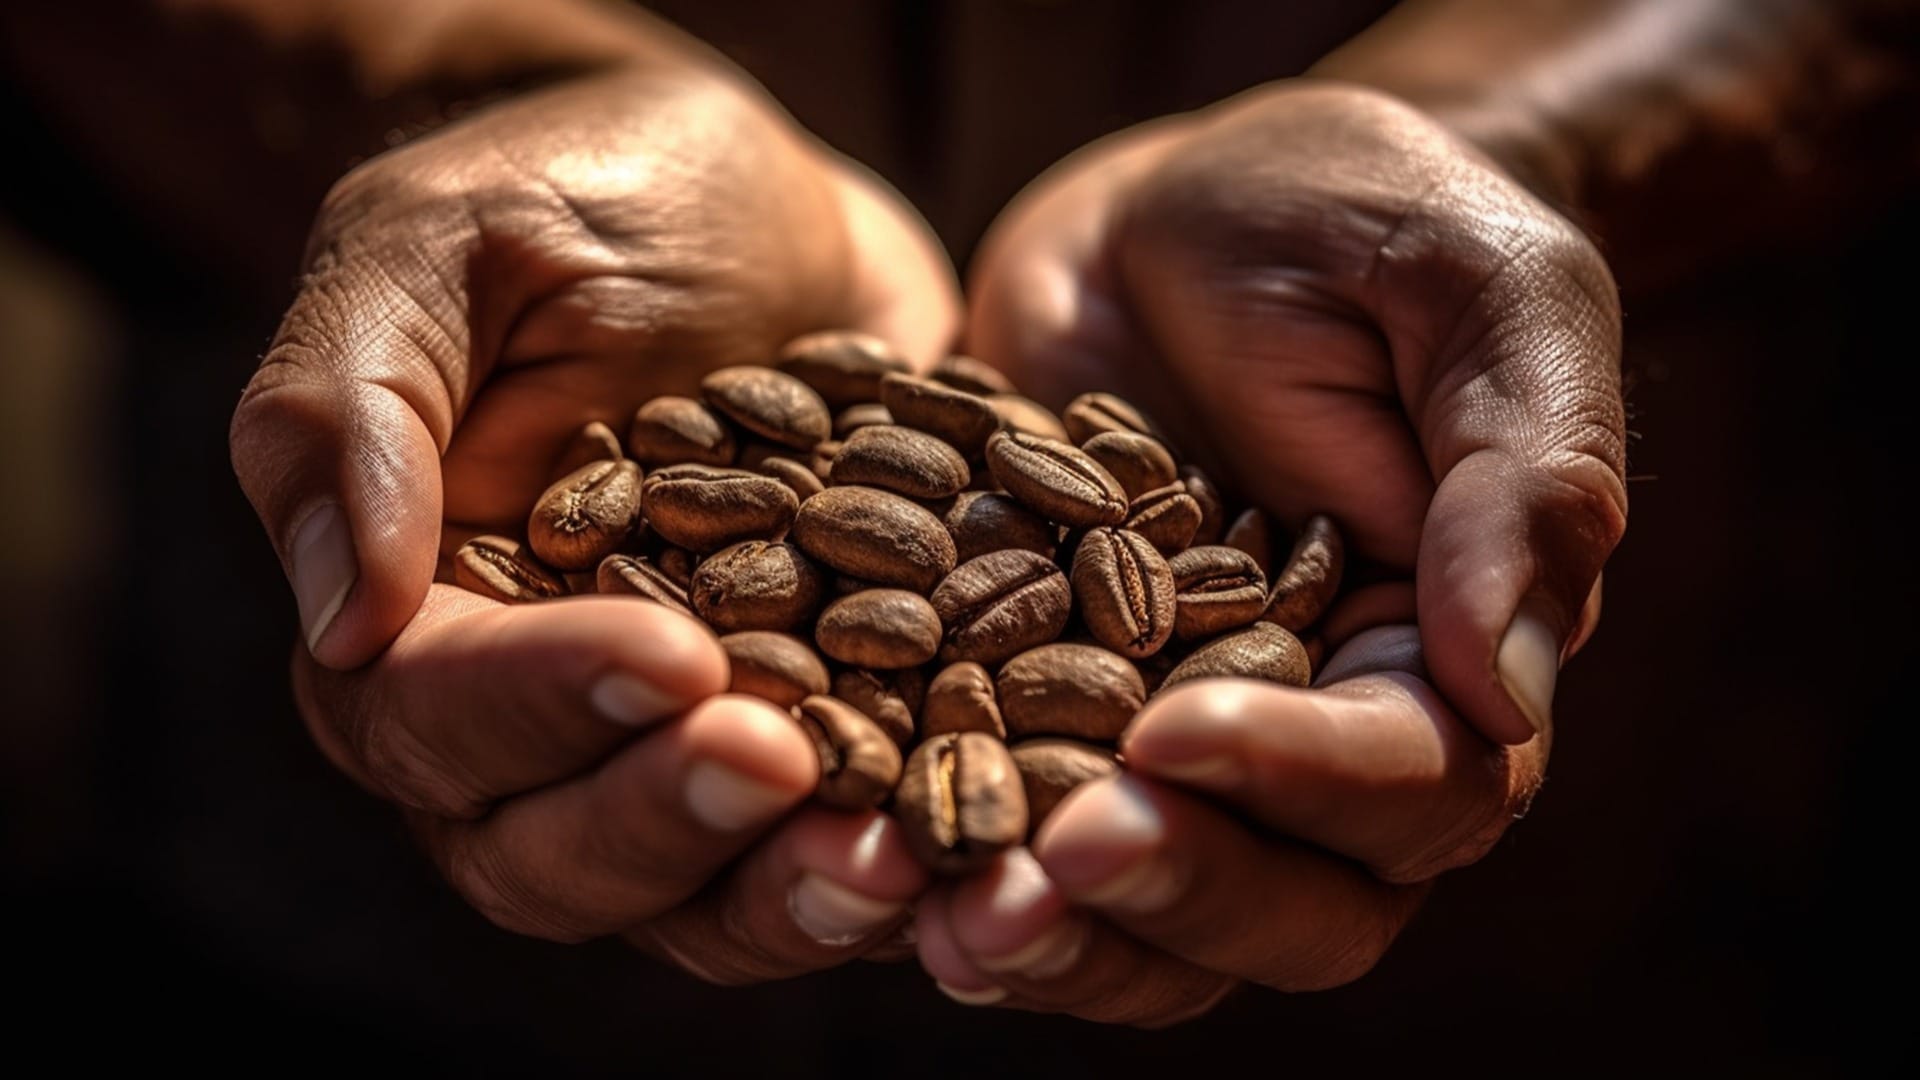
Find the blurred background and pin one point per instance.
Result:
(181, 867)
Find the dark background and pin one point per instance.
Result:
(185, 877)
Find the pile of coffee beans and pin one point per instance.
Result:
(961, 597)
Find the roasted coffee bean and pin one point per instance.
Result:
(757, 585)
(984, 521)
(771, 404)
(593, 442)
(1056, 479)
(1218, 588)
(1213, 506)
(879, 628)
(1168, 517)
(1125, 591)
(1083, 691)
(1140, 462)
(679, 431)
(1306, 586)
(497, 568)
(1051, 767)
(581, 582)
(822, 458)
(781, 668)
(799, 477)
(902, 460)
(999, 604)
(1090, 414)
(842, 366)
(854, 417)
(961, 698)
(877, 535)
(965, 373)
(706, 508)
(891, 699)
(1261, 651)
(1252, 532)
(1026, 415)
(960, 802)
(962, 419)
(859, 765)
(676, 562)
(636, 575)
(586, 516)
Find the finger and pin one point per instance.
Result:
(825, 888)
(604, 852)
(1188, 879)
(913, 299)
(476, 700)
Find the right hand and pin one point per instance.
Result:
(470, 300)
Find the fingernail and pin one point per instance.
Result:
(1045, 957)
(1102, 847)
(726, 801)
(323, 569)
(1528, 664)
(832, 914)
(1215, 772)
(631, 701)
(992, 995)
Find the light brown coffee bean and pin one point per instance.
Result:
(778, 667)
(999, 604)
(960, 802)
(1057, 480)
(901, 460)
(1252, 532)
(1090, 414)
(1306, 586)
(842, 366)
(636, 575)
(859, 765)
(705, 508)
(879, 628)
(1213, 505)
(799, 477)
(1218, 588)
(771, 404)
(1140, 462)
(1052, 767)
(679, 431)
(1125, 591)
(1083, 691)
(593, 442)
(983, 521)
(966, 373)
(586, 516)
(1261, 651)
(757, 585)
(962, 698)
(1026, 415)
(891, 699)
(498, 568)
(876, 535)
(854, 417)
(1167, 517)
(962, 419)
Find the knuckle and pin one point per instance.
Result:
(481, 877)
(1337, 959)
(413, 773)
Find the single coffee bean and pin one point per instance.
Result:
(854, 417)
(1051, 767)
(1213, 505)
(877, 535)
(778, 667)
(754, 453)
(965, 373)
(1311, 577)
(636, 575)
(593, 442)
(962, 698)
(1261, 651)
(586, 516)
(771, 404)
(1140, 462)
(1252, 532)
(822, 458)
(706, 508)
(960, 802)
(799, 477)
(879, 628)
(999, 604)
(891, 699)
(1219, 588)
(679, 431)
(962, 419)
(677, 563)
(757, 585)
(984, 521)
(842, 366)
(1125, 591)
(859, 765)
(1090, 414)
(1070, 689)
(1026, 415)
(498, 568)
(1056, 479)
(902, 460)
(1167, 517)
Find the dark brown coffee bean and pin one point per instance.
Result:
(778, 667)
(1218, 588)
(1125, 591)
(1261, 651)
(1213, 505)
(593, 442)
(854, 417)
(877, 535)
(842, 366)
(962, 419)
(859, 765)
(771, 404)
(822, 458)
(1140, 462)
(799, 477)
(1306, 586)
(983, 521)
(1057, 480)
(1050, 768)
(1026, 415)
(635, 575)
(900, 459)
(757, 585)
(705, 508)
(498, 568)
(1070, 689)
(962, 698)
(965, 373)
(999, 604)
(676, 562)
(879, 628)
(586, 516)
(1167, 517)
(679, 431)
(891, 699)
(960, 802)
(1090, 414)
(1252, 533)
